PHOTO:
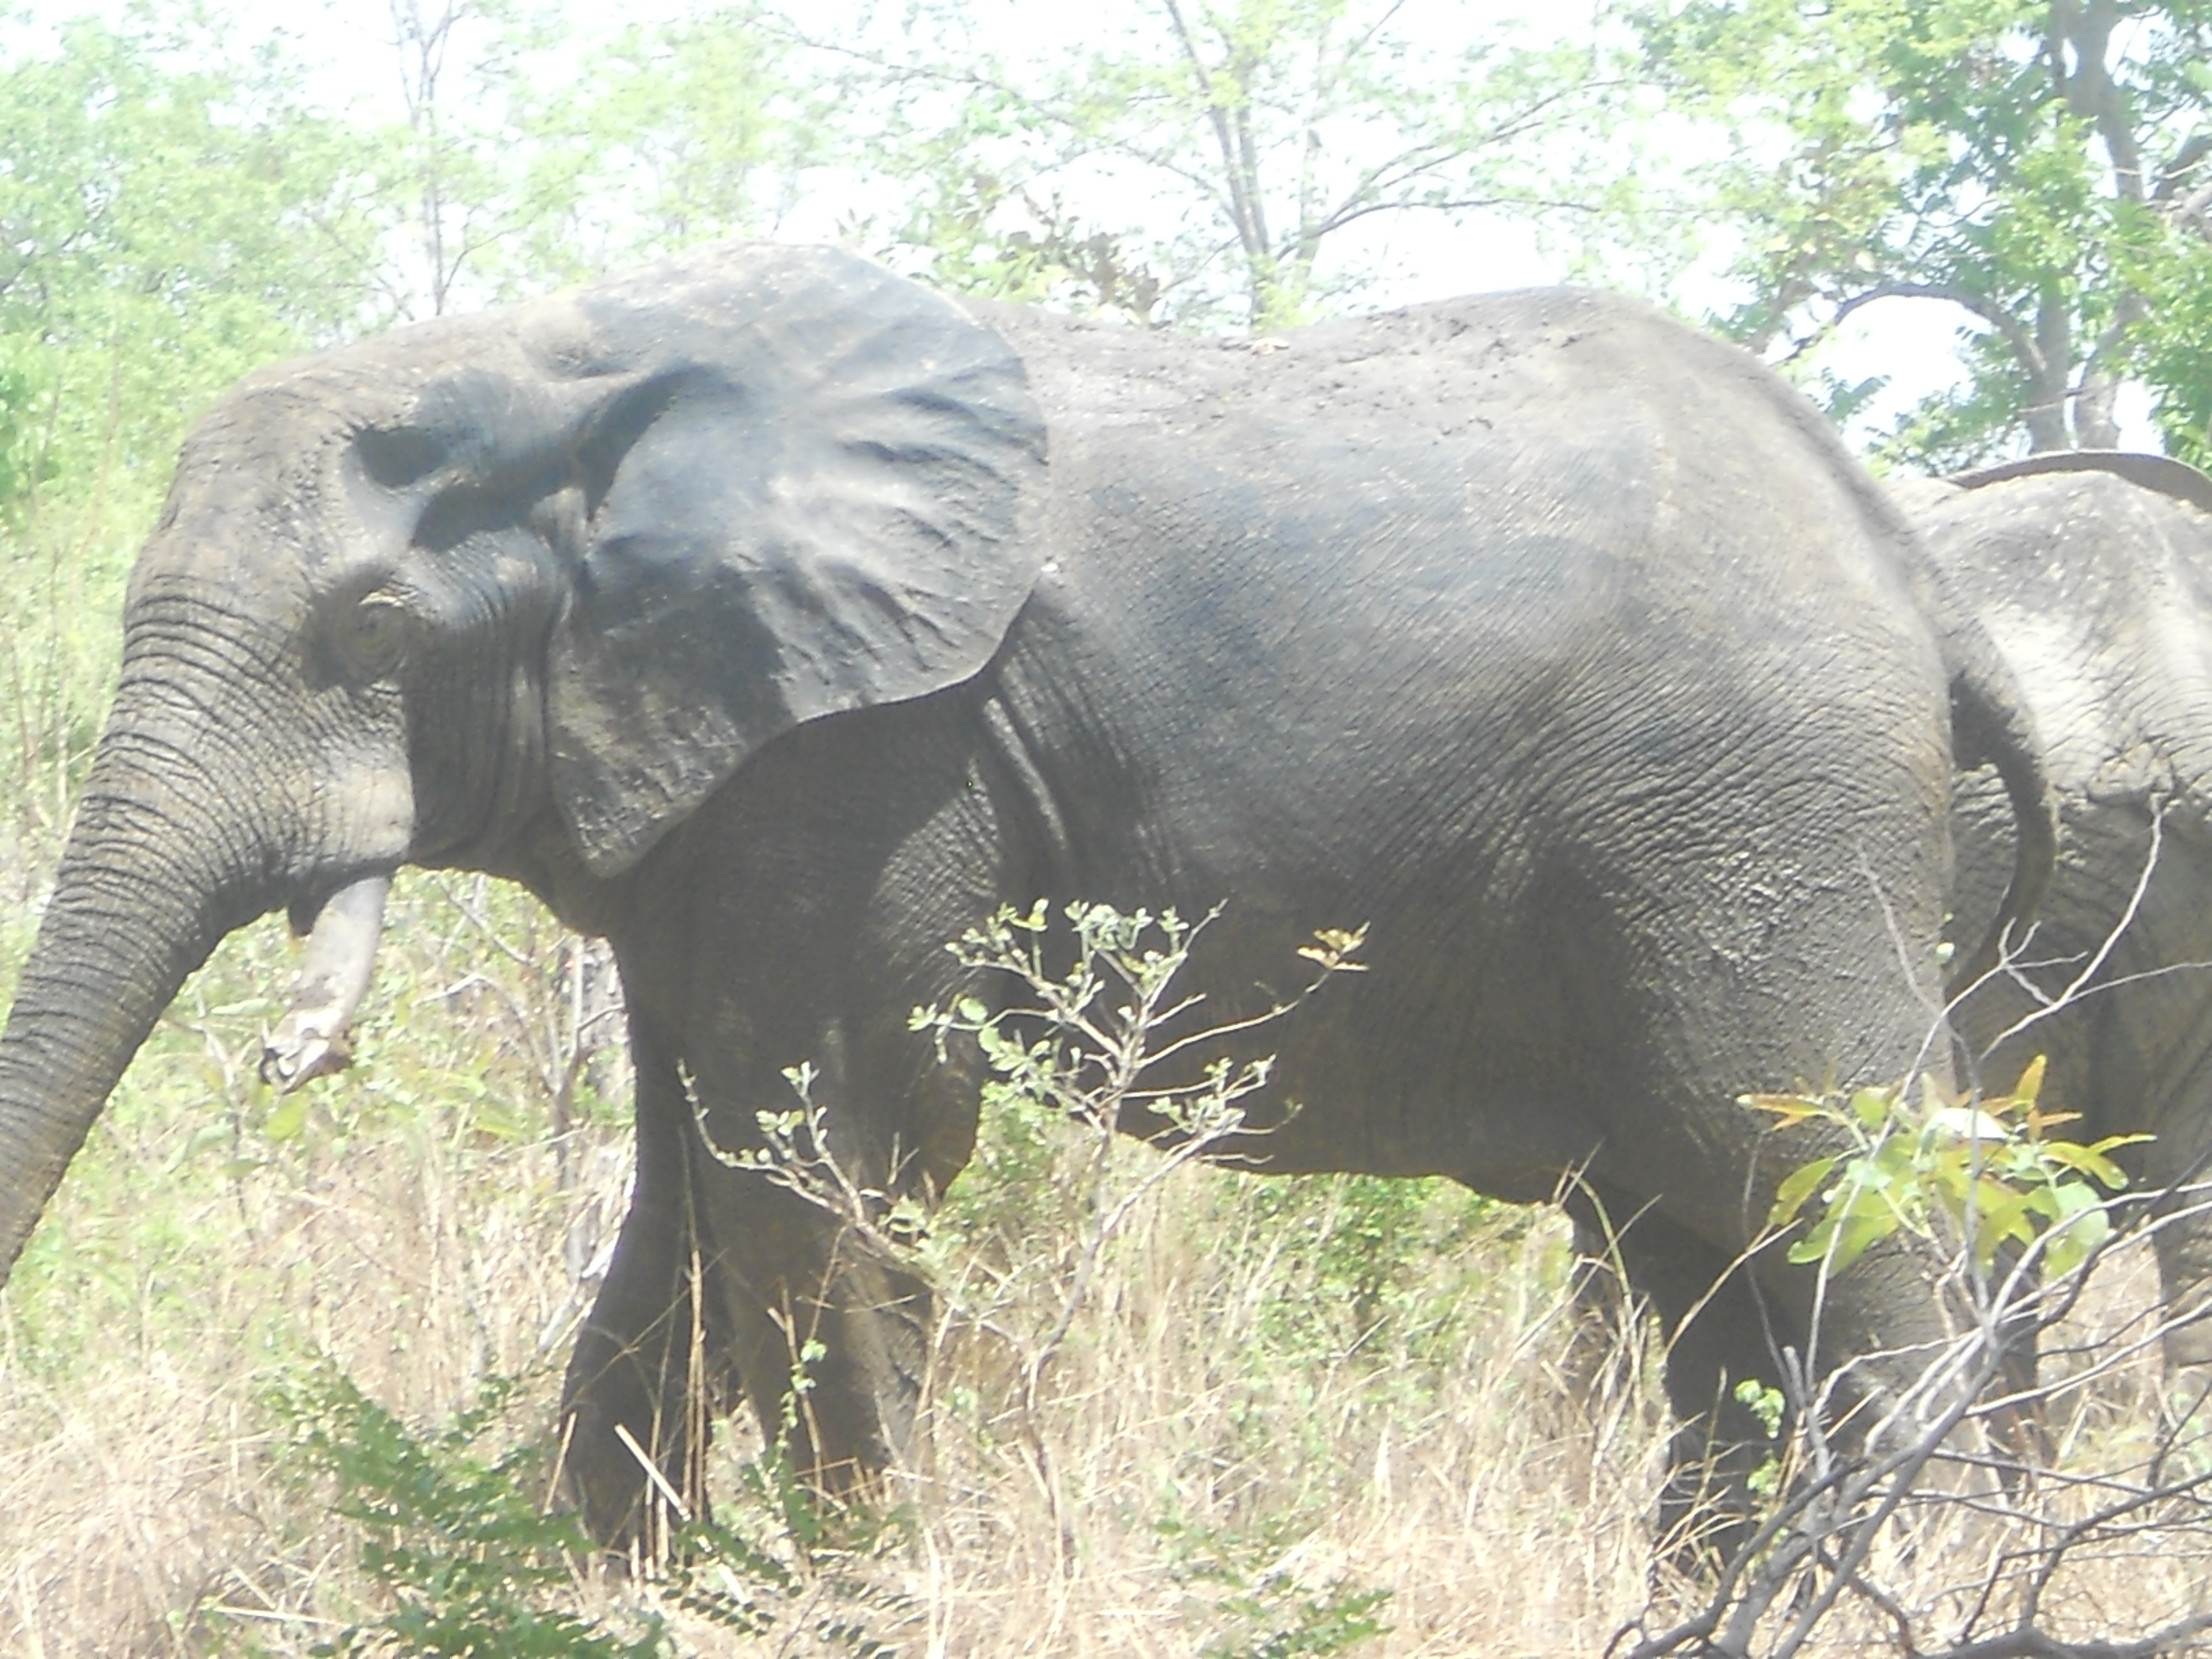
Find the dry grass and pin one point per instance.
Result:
(1195, 1428)
(138, 1487)
(1277, 1395)
(1503, 1515)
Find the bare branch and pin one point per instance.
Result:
(2022, 343)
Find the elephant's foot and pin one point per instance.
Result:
(635, 1431)
(838, 1386)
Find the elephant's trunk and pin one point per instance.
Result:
(120, 935)
(163, 860)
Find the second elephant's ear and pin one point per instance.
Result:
(820, 488)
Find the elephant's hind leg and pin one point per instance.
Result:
(1716, 1329)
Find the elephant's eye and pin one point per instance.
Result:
(376, 637)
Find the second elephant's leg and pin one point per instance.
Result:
(2177, 1171)
(2184, 1273)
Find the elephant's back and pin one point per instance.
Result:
(1534, 503)
(1487, 432)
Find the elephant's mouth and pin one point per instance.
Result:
(311, 1039)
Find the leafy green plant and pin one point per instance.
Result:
(1346, 1256)
(471, 1561)
(1075, 1046)
(1274, 1613)
(1918, 1455)
(461, 1541)
(1080, 1046)
(1987, 1172)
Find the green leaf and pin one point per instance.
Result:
(2073, 1239)
(2090, 1161)
(1872, 1108)
(1788, 1110)
(1860, 1232)
(2005, 1223)
(1799, 1185)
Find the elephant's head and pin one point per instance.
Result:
(543, 574)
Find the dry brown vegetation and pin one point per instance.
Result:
(1247, 1394)
(1276, 1397)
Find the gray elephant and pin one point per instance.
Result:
(2092, 573)
(777, 618)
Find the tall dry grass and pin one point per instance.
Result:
(1241, 1401)
(1276, 1397)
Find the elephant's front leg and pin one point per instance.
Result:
(723, 1277)
(646, 1368)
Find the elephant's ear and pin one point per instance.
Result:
(820, 489)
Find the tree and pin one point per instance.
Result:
(451, 196)
(171, 215)
(683, 130)
(165, 212)
(2040, 168)
(1198, 162)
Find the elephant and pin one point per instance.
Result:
(2092, 572)
(776, 618)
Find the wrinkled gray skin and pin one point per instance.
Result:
(2092, 573)
(776, 619)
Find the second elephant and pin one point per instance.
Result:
(2092, 572)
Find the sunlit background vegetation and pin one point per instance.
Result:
(1296, 1418)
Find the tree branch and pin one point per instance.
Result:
(2018, 337)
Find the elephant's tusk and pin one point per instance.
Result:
(310, 1041)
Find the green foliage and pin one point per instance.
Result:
(514, 172)
(1985, 1172)
(472, 1563)
(684, 130)
(2174, 356)
(173, 216)
(1769, 1404)
(457, 1536)
(1080, 1046)
(1254, 133)
(1102, 1018)
(1273, 1613)
(2038, 169)
(1351, 1263)
(166, 204)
